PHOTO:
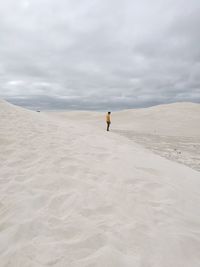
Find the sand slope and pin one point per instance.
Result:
(74, 195)
(172, 131)
(178, 119)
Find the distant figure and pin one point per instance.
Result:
(108, 120)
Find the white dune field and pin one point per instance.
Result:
(72, 194)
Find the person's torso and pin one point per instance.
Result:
(108, 118)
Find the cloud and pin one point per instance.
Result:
(116, 54)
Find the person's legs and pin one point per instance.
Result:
(108, 125)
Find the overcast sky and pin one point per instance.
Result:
(99, 54)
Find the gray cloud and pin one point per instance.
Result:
(99, 54)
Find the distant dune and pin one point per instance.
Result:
(178, 119)
(72, 194)
(171, 130)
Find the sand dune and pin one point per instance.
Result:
(172, 131)
(72, 194)
(178, 119)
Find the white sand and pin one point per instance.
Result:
(172, 131)
(72, 194)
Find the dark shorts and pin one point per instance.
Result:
(108, 125)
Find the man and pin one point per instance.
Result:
(108, 120)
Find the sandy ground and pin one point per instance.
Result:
(171, 131)
(72, 194)
(185, 150)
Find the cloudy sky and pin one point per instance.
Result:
(99, 54)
